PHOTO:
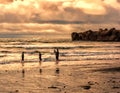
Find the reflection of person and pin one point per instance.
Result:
(57, 71)
(23, 73)
(56, 51)
(40, 70)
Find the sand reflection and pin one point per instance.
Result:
(57, 71)
(40, 70)
(23, 73)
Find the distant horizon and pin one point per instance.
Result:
(47, 28)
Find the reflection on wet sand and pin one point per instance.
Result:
(57, 62)
(57, 71)
(75, 77)
(40, 71)
(22, 63)
(23, 73)
(40, 63)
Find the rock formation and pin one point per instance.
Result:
(101, 35)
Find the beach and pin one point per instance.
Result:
(83, 67)
(65, 77)
(60, 46)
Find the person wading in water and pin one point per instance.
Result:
(56, 51)
(40, 57)
(22, 60)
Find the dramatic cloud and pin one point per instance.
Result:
(113, 3)
(35, 12)
(5, 1)
(58, 10)
(118, 1)
(35, 28)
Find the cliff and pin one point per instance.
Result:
(101, 35)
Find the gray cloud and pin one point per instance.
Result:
(6, 1)
(60, 12)
(118, 1)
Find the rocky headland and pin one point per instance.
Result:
(101, 35)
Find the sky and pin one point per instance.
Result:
(25, 13)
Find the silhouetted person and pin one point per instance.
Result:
(22, 58)
(40, 57)
(56, 51)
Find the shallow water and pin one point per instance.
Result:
(11, 49)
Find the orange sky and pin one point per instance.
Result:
(59, 11)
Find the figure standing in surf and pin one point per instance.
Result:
(56, 51)
(22, 58)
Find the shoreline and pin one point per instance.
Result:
(33, 64)
(66, 77)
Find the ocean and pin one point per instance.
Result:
(12, 46)
(84, 66)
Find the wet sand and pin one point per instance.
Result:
(101, 76)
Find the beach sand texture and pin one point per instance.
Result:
(66, 77)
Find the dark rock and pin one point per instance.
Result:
(16, 90)
(75, 36)
(87, 87)
(91, 83)
(101, 35)
(113, 82)
(115, 87)
(52, 87)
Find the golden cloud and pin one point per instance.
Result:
(5, 1)
(47, 10)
